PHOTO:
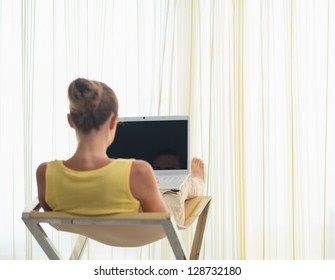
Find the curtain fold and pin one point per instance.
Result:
(255, 77)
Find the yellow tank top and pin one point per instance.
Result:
(105, 190)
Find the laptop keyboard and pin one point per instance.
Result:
(171, 181)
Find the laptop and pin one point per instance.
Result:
(161, 141)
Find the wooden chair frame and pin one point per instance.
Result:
(120, 230)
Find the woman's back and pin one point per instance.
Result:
(105, 190)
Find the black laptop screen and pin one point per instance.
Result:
(162, 143)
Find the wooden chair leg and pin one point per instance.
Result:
(43, 240)
(171, 234)
(199, 234)
(79, 248)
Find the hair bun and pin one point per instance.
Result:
(91, 104)
(85, 96)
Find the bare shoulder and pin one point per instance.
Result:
(140, 168)
(40, 178)
(142, 178)
(143, 186)
(41, 169)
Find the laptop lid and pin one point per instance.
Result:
(162, 141)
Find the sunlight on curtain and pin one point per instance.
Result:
(329, 180)
(12, 198)
(263, 73)
(254, 76)
(287, 114)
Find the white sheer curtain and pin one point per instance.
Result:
(254, 76)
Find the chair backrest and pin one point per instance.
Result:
(120, 230)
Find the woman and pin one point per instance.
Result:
(91, 183)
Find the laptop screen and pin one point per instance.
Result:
(161, 141)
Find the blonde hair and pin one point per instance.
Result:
(91, 103)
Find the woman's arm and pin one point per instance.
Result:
(40, 178)
(143, 186)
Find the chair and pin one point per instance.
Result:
(119, 230)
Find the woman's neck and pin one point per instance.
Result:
(91, 147)
(90, 155)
